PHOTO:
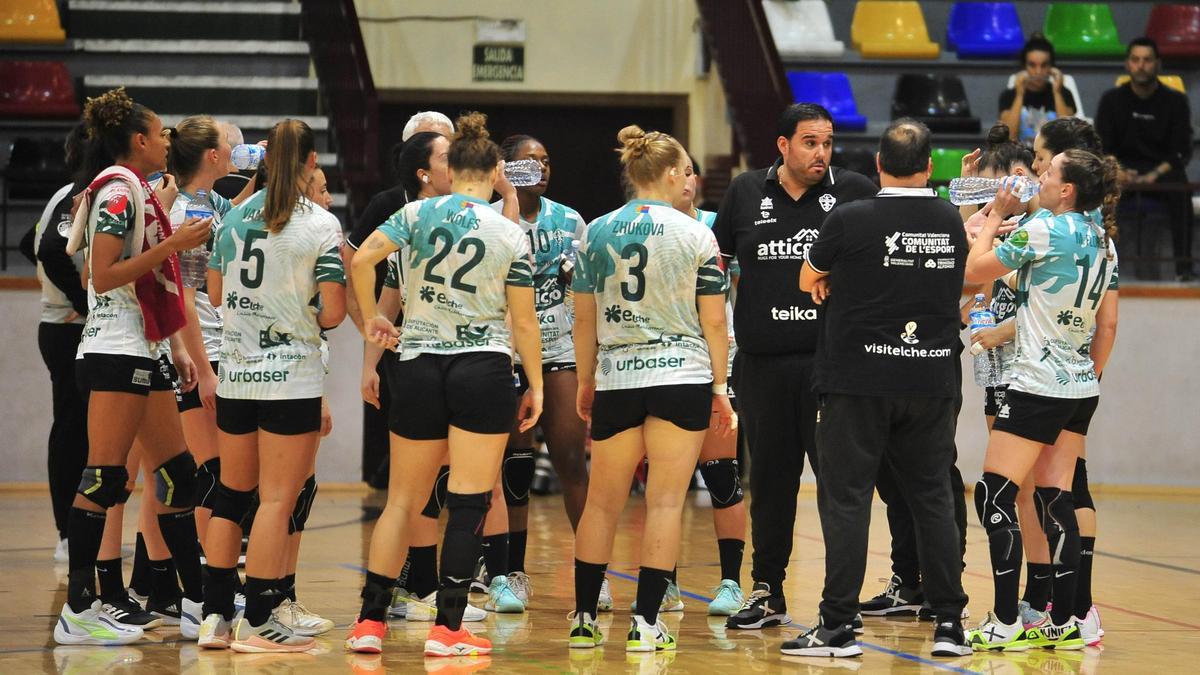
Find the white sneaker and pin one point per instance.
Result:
(1089, 627)
(296, 616)
(61, 554)
(239, 602)
(214, 632)
(425, 609)
(92, 627)
(643, 637)
(190, 614)
(605, 602)
(399, 607)
(992, 635)
(480, 583)
(519, 583)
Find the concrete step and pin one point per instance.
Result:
(216, 95)
(156, 19)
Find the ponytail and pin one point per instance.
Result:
(1096, 186)
(289, 145)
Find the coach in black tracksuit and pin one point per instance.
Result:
(768, 220)
(890, 270)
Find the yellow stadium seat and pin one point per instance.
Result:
(1173, 81)
(886, 29)
(29, 21)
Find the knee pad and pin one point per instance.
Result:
(304, 503)
(175, 481)
(208, 475)
(1058, 521)
(724, 483)
(437, 496)
(467, 511)
(996, 503)
(1079, 486)
(517, 476)
(104, 485)
(232, 504)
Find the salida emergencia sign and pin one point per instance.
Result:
(495, 63)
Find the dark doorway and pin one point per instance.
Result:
(579, 138)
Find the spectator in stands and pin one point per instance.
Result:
(1038, 94)
(230, 185)
(1147, 126)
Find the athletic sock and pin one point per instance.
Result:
(139, 578)
(287, 587)
(179, 533)
(406, 571)
(1083, 586)
(164, 584)
(1038, 579)
(422, 572)
(652, 585)
(85, 529)
(589, 577)
(674, 578)
(260, 599)
(731, 558)
(376, 597)
(516, 550)
(495, 555)
(112, 585)
(220, 584)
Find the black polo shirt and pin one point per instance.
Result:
(770, 234)
(891, 322)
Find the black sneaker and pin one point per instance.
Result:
(479, 584)
(856, 625)
(760, 610)
(948, 640)
(127, 612)
(895, 600)
(821, 641)
(167, 610)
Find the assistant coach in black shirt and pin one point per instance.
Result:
(768, 221)
(890, 272)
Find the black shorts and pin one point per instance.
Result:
(128, 374)
(190, 400)
(687, 406)
(522, 382)
(993, 398)
(473, 392)
(1042, 418)
(286, 417)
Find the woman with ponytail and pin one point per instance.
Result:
(661, 352)
(1066, 324)
(134, 305)
(465, 268)
(276, 270)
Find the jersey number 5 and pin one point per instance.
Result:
(253, 277)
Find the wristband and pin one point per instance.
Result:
(720, 389)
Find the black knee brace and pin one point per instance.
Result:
(996, 504)
(304, 503)
(208, 475)
(724, 483)
(467, 511)
(232, 504)
(437, 496)
(104, 485)
(175, 481)
(1079, 486)
(1057, 508)
(517, 474)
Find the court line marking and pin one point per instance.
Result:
(869, 645)
(1126, 558)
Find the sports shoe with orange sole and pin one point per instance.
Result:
(271, 637)
(442, 641)
(366, 637)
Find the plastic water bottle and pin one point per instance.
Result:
(193, 263)
(247, 157)
(979, 190)
(987, 361)
(523, 172)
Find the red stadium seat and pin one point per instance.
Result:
(36, 89)
(1176, 29)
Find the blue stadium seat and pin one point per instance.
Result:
(985, 30)
(831, 90)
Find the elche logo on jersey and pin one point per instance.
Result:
(618, 314)
(909, 336)
(427, 294)
(794, 313)
(827, 202)
(794, 247)
(235, 301)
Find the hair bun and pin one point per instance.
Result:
(633, 140)
(471, 126)
(998, 135)
(110, 109)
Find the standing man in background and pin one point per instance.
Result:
(768, 220)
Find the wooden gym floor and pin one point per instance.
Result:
(1147, 585)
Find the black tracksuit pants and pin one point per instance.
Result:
(68, 445)
(778, 413)
(854, 435)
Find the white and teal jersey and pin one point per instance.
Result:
(646, 263)
(210, 317)
(1064, 270)
(271, 343)
(550, 236)
(459, 257)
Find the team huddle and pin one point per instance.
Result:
(202, 361)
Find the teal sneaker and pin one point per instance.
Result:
(501, 598)
(727, 599)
